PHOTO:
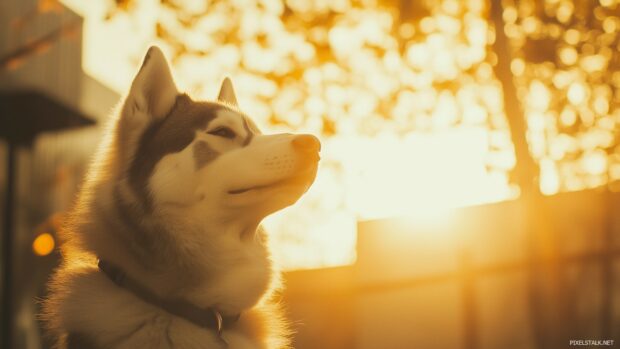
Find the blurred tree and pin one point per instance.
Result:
(359, 64)
(368, 68)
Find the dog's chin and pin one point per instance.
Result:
(302, 179)
(270, 197)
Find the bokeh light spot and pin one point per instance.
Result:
(43, 244)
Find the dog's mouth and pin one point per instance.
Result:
(301, 178)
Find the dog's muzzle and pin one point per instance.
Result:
(306, 148)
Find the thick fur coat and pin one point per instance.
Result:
(174, 198)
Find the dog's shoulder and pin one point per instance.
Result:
(61, 293)
(82, 301)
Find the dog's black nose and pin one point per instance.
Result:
(308, 143)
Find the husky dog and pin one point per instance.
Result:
(163, 248)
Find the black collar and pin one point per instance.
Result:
(207, 318)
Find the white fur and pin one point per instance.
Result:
(217, 255)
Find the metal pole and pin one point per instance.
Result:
(7, 246)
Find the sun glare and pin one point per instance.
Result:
(407, 104)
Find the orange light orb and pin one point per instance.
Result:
(43, 244)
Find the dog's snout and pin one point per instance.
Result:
(307, 143)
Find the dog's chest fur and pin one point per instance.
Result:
(96, 313)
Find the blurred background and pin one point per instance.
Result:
(468, 189)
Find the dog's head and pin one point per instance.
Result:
(206, 162)
(179, 188)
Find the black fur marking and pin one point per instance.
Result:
(203, 154)
(169, 135)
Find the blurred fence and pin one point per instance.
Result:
(473, 279)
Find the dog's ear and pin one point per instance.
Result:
(153, 91)
(151, 97)
(227, 93)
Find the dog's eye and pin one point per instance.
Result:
(223, 132)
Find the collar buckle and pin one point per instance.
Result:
(219, 321)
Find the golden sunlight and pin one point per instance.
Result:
(408, 107)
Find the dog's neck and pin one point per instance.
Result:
(240, 276)
(209, 318)
(232, 275)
